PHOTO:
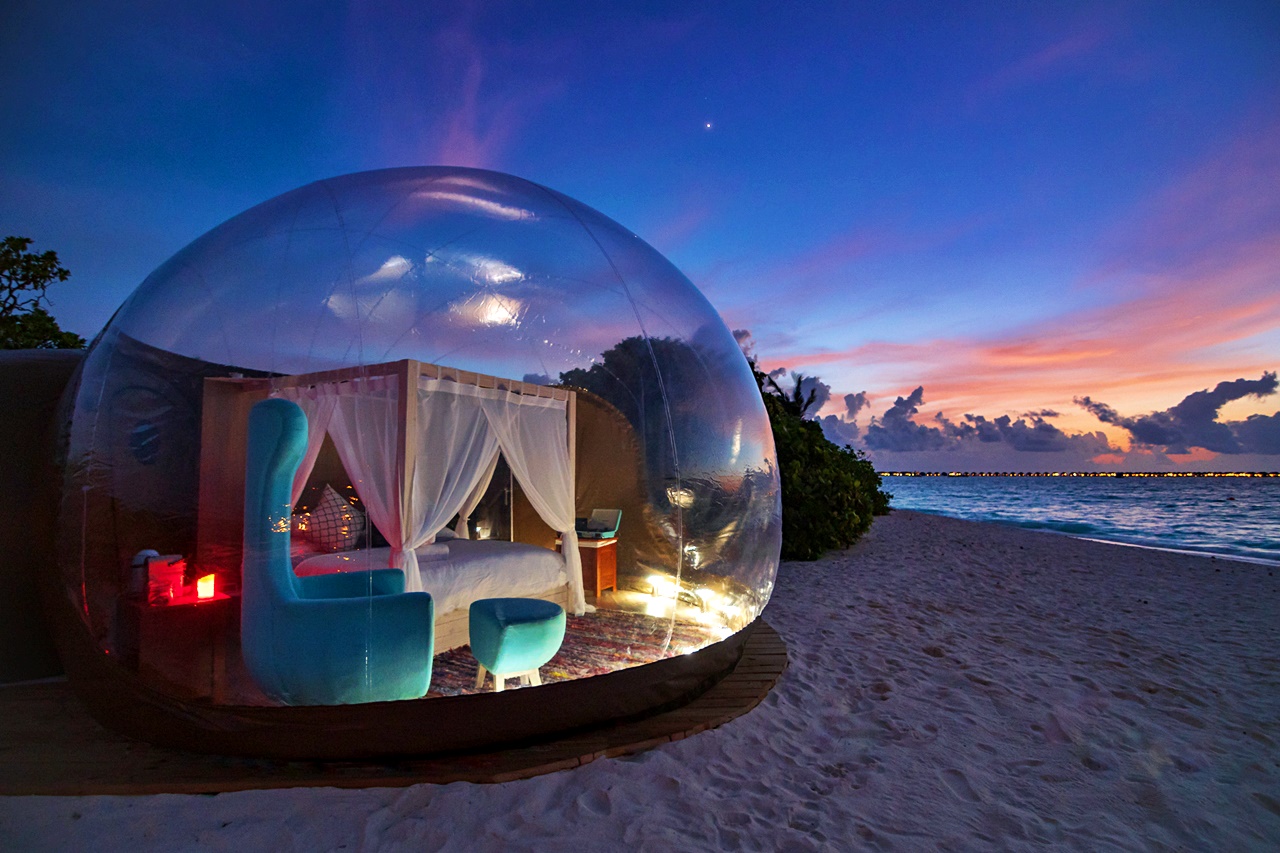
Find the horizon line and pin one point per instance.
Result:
(1079, 473)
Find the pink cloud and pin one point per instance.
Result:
(465, 143)
(679, 226)
(1053, 58)
(458, 97)
(848, 247)
(742, 294)
(1210, 214)
(481, 119)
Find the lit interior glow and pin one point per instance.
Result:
(490, 309)
(393, 268)
(682, 498)
(204, 587)
(498, 272)
(663, 586)
(484, 205)
(692, 555)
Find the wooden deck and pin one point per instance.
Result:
(50, 745)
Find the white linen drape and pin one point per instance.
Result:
(533, 433)
(455, 449)
(318, 407)
(473, 500)
(365, 427)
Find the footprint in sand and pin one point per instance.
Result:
(596, 803)
(1052, 731)
(1261, 738)
(1186, 718)
(1267, 803)
(959, 785)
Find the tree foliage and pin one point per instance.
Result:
(629, 376)
(829, 493)
(796, 403)
(24, 282)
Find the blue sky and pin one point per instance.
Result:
(1012, 206)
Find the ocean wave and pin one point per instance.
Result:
(1073, 527)
(1233, 519)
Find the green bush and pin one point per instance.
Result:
(829, 493)
(25, 278)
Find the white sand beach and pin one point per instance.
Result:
(953, 686)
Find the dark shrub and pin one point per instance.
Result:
(829, 493)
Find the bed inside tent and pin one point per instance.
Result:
(418, 465)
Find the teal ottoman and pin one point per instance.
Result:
(513, 637)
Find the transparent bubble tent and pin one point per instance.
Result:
(430, 457)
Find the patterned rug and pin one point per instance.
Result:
(594, 644)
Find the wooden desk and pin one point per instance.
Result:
(599, 564)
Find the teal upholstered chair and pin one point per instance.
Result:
(513, 637)
(328, 639)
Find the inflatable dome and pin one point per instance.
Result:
(411, 438)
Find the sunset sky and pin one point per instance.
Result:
(1066, 214)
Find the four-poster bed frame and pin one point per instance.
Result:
(224, 420)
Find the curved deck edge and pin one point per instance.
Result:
(50, 745)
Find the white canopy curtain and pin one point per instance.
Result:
(455, 451)
(365, 426)
(533, 434)
(473, 500)
(318, 408)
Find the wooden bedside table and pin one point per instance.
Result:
(599, 564)
(183, 644)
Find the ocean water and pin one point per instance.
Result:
(1225, 516)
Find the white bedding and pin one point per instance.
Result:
(474, 569)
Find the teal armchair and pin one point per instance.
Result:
(328, 639)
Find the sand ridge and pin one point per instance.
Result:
(953, 686)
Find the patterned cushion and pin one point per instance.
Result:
(334, 525)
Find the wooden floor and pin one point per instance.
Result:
(50, 745)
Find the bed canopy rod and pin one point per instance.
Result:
(409, 370)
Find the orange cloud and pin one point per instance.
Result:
(1197, 454)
